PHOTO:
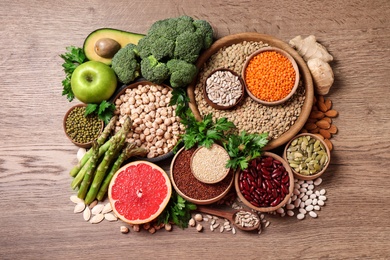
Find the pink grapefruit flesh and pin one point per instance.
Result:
(139, 191)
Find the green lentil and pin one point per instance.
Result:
(82, 129)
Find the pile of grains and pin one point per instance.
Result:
(224, 88)
(249, 115)
(155, 125)
(80, 128)
(208, 165)
(189, 185)
(246, 219)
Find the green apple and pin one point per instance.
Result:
(93, 82)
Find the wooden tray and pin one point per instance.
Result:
(272, 41)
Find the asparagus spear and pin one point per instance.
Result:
(90, 171)
(80, 175)
(100, 140)
(120, 136)
(129, 151)
(115, 147)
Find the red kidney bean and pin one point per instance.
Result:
(265, 182)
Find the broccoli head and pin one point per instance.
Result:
(184, 24)
(125, 64)
(206, 31)
(182, 73)
(188, 47)
(164, 28)
(162, 48)
(153, 70)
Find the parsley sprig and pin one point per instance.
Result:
(205, 132)
(244, 147)
(104, 110)
(177, 211)
(72, 58)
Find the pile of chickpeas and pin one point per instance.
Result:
(155, 125)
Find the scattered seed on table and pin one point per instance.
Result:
(300, 216)
(313, 214)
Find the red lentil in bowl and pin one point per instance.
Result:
(271, 76)
(190, 188)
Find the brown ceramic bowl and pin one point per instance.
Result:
(83, 145)
(188, 181)
(293, 63)
(305, 78)
(312, 176)
(215, 104)
(282, 202)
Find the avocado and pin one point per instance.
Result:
(106, 42)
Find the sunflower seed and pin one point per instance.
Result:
(97, 218)
(107, 208)
(97, 209)
(79, 207)
(233, 230)
(76, 199)
(110, 217)
(87, 214)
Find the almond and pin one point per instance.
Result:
(328, 103)
(315, 131)
(323, 124)
(320, 99)
(310, 126)
(322, 107)
(325, 133)
(332, 129)
(329, 144)
(303, 130)
(331, 113)
(327, 119)
(317, 114)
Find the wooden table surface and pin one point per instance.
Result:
(37, 219)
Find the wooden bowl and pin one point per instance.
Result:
(293, 63)
(305, 77)
(221, 107)
(282, 202)
(312, 176)
(83, 145)
(122, 91)
(194, 183)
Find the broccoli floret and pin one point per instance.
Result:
(162, 48)
(144, 46)
(125, 64)
(184, 24)
(182, 73)
(188, 47)
(153, 70)
(205, 29)
(165, 28)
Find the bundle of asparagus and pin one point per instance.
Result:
(92, 175)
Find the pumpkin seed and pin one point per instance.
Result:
(97, 218)
(79, 207)
(110, 217)
(87, 213)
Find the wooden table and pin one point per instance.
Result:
(37, 220)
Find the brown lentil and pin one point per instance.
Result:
(189, 185)
(249, 115)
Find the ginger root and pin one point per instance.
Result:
(322, 75)
(317, 59)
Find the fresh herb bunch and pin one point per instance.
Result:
(72, 58)
(244, 147)
(205, 132)
(180, 100)
(104, 110)
(177, 211)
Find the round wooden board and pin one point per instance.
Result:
(272, 41)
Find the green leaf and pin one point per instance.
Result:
(91, 108)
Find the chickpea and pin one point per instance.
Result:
(159, 132)
(167, 121)
(159, 120)
(163, 127)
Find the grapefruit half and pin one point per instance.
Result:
(139, 191)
